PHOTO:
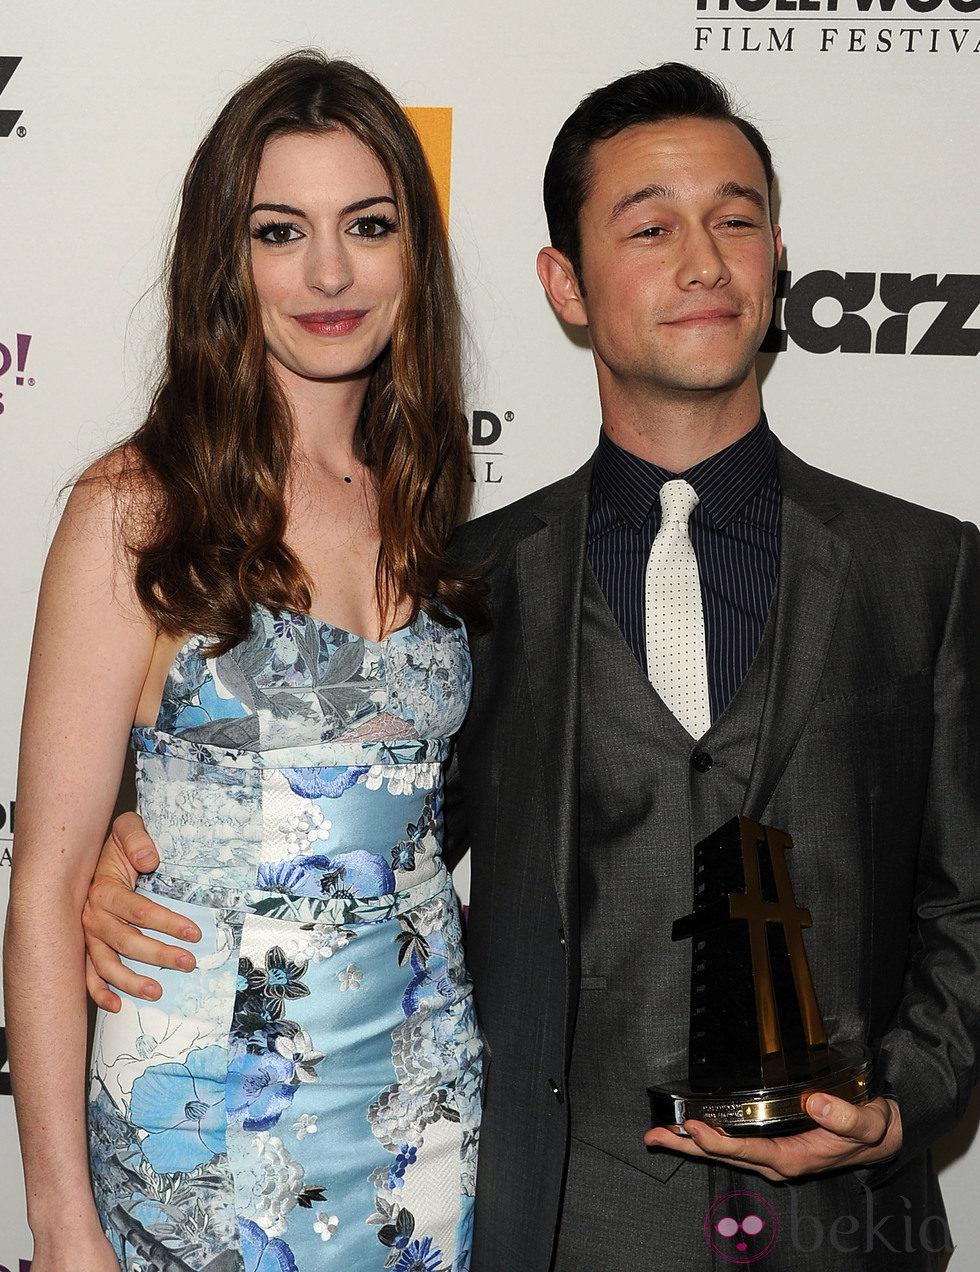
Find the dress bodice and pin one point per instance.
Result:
(305, 761)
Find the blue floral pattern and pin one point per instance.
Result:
(308, 1097)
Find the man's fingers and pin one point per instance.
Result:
(663, 1137)
(863, 1123)
(136, 946)
(109, 917)
(103, 968)
(704, 1141)
(130, 834)
(99, 991)
(774, 1159)
(109, 902)
(706, 1144)
(717, 1144)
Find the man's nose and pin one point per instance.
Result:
(703, 263)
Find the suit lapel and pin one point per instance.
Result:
(814, 564)
(550, 567)
(813, 567)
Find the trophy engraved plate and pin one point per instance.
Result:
(758, 1046)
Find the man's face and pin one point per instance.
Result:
(678, 260)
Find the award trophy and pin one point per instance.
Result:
(758, 1046)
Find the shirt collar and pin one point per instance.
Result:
(724, 482)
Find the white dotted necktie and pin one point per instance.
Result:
(676, 661)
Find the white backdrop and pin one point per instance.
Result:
(869, 106)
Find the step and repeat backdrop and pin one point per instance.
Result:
(870, 370)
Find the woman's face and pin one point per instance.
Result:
(326, 259)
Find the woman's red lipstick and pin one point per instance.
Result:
(331, 322)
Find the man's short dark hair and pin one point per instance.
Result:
(670, 91)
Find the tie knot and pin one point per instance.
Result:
(678, 499)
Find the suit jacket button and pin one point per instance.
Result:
(556, 1091)
(561, 937)
(701, 761)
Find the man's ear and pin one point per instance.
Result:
(559, 281)
(777, 240)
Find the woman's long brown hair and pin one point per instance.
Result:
(208, 542)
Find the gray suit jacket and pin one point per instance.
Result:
(871, 728)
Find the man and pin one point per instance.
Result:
(828, 686)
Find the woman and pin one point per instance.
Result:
(255, 585)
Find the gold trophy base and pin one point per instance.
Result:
(767, 1110)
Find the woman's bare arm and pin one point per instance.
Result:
(92, 646)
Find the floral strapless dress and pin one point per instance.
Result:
(308, 1098)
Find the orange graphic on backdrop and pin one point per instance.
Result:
(434, 125)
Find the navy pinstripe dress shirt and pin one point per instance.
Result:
(735, 533)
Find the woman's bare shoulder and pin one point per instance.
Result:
(116, 495)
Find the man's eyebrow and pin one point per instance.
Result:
(728, 190)
(359, 206)
(732, 190)
(641, 196)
